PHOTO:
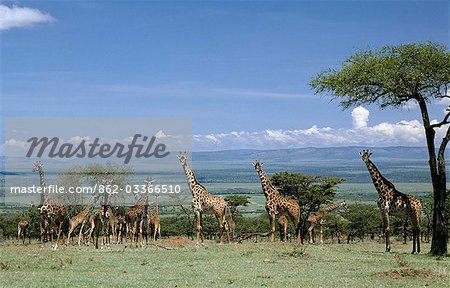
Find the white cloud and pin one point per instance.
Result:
(160, 134)
(13, 143)
(16, 17)
(78, 139)
(383, 134)
(360, 117)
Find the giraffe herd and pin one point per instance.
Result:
(138, 222)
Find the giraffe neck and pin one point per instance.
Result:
(147, 189)
(267, 187)
(332, 207)
(157, 205)
(190, 176)
(380, 183)
(45, 197)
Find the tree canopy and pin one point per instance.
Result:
(309, 191)
(389, 76)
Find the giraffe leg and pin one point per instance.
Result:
(222, 226)
(198, 226)
(58, 234)
(272, 228)
(414, 218)
(71, 228)
(136, 234)
(298, 228)
(42, 232)
(127, 233)
(387, 232)
(310, 232)
(202, 233)
(90, 232)
(321, 233)
(97, 232)
(81, 232)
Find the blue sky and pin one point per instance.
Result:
(239, 69)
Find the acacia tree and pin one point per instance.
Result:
(309, 191)
(390, 77)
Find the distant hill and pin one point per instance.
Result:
(402, 164)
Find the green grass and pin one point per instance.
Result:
(222, 265)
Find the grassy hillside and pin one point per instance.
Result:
(227, 265)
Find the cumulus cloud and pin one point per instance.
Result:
(360, 117)
(13, 143)
(16, 17)
(383, 134)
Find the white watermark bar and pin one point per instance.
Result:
(71, 160)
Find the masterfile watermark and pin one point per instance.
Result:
(70, 160)
(147, 149)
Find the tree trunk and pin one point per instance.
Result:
(440, 233)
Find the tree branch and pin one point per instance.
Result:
(441, 153)
(443, 122)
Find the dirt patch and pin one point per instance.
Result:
(178, 239)
(407, 273)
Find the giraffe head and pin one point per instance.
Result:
(37, 166)
(257, 165)
(365, 155)
(344, 204)
(183, 158)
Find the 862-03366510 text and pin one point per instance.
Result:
(109, 189)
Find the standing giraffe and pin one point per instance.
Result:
(99, 225)
(278, 204)
(22, 231)
(52, 214)
(135, 214)
(155, 223)
(283, 225)
(391, 201)
(43, 224)
(204, 202)
(113, 224)
(81, 218)
(318, 217)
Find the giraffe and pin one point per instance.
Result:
(81, 218)
(135, 214)
(120, 227)
(45, 198)
(99, 224)
(278, 204)
(318, 217)
(283, 225)
(155, 223)
(204, 202)
(113, 224)
(23, 230)
(391, 201)
(52, 214)
(93, 219)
